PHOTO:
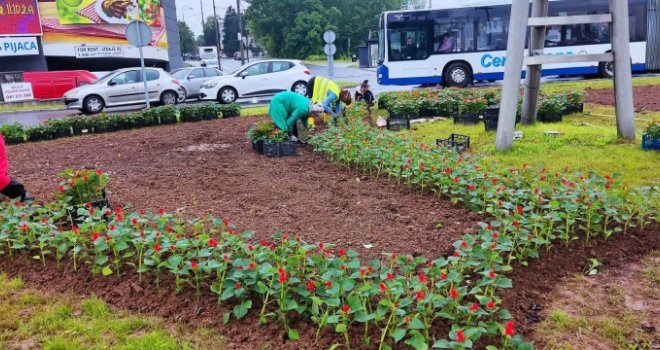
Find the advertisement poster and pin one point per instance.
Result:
(14, 92)
(99, 22)
(19, 18)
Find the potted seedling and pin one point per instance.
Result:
(651, 138)
(551, 109)
(469, 110)
(83, 190)
(13, 133)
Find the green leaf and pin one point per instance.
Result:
(107, 271)
(398, 334)
(242, 309)
(525, 346)
(293, 334)
(416, 324)
(340, 328)
(291, 305)
(418, 342)
(226, 317)
(333, 319)
(442, 344)
(504, 314)
(227, 293)
(101, 260)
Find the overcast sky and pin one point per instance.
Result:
(194, 17)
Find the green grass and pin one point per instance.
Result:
(594, 84)
(254, 111)
(587, 142)
(65, 322)
(20, 107)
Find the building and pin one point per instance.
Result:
(39, 35)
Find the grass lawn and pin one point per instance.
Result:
(34, 319)
(45, 106)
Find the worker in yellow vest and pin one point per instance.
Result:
(325, 92)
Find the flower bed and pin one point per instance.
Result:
(79, 125)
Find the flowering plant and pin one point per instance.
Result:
(261, 130)
(653, 129)
(82, 186)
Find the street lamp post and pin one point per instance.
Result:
(183, 12)
(217, 36)
(240, 29)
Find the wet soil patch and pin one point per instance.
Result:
(646, 97)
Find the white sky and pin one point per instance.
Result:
(194, 17)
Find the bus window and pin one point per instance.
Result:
(492, 27)
(454, 31)
(409, 36)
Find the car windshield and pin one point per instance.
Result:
(104, 78)
(180, 74)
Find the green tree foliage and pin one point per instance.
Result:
(230, 43)
(294, 28)
(210, 38)
(187, 37)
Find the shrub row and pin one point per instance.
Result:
(78, 125)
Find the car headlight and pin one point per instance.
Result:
(209, 85)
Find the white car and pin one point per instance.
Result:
(262, 78)
(211, 64)
(192, 78)
(124, 87)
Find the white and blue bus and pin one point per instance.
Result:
(465, 41)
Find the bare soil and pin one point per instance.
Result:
(646, 97)
(209, 168)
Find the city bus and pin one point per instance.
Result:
(463, 41)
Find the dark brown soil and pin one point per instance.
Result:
(535, 283)
(210, 168)
(646, 97)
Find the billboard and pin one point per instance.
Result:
(19, 18)
(71, 23)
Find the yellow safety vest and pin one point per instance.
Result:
(322, 86)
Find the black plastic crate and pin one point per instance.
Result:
(457, 142)
(491, 117)
(466, 118)
(550, 117)
(650, 143)
(258, 146)
(578, 108)
(398, 122)
(280, 149)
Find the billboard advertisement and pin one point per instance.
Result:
(101, 24)
(19, 18)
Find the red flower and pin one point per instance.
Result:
(363, 272)
(161, 211)
(95, 236)
(443, 276)
(471, 188)
(142, 212)
(370, 269)
(407, 319)
(492, 274)
(99, 172)
(341, 253)
(516, 224)
(213, 243)
(264, 244)
(460, 337)
(250, 247)
(453, 293)
(345, 309)
(495, 235)
(282, 275)
(169, 229)
(383, 288)
(252, 266)
(456, 180)
(320, 246)
(225, 257)
(172, 248)
(493, 181)
(75, 229)
(157, 248)
(343, 267)
(490, 305)
(134, 222)
(108, 239)
(328, 284)
(474, 307)
(520, 209)
(419, 296)
(421, 166)
(464, 245)
(61, 188)
(311, 286)
(509, 329)
(225, 222)
(24, 227)
(448, 171)
(194, 265)
(389, 276)
(421, 278)
(237, 285)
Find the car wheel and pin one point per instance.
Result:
(93, 104)
(606, 69)
(183, 96)
(169, 98)
(227, 95)
(458, 74)
(300, 88)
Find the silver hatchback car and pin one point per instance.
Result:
(124, 87)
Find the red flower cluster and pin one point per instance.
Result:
(311, 286)
(282, 275)
(213, 243)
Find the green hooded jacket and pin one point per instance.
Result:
(286, 108)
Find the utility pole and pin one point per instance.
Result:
(240, 29)
(201, 7)
(217, 36)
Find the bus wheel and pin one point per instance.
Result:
(606, 69)
(458, 74)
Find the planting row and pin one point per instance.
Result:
(388, 301)
(65, 127)
(471, 102)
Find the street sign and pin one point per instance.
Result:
(138, 34)
(330, 49)
(329, 36)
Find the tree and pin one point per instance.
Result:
(294, 28)
(210, 38)
(187, 37)
(230, 41)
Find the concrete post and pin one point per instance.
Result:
(533, 76)
(623, 91)
(512, 72)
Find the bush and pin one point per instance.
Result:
(552, 105)
(653, 129)
(230, 110)
(13, 133)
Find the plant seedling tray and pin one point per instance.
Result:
(650, 143)
(258, 146)
(398, 122)
(468, 118)
(280, 149)
(457, 142)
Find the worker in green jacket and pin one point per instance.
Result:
(287, 108)
(326, 93)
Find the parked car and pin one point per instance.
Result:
(262, 78)
(191, 79)
(53, 85)
(124, 87)
(211, 64)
